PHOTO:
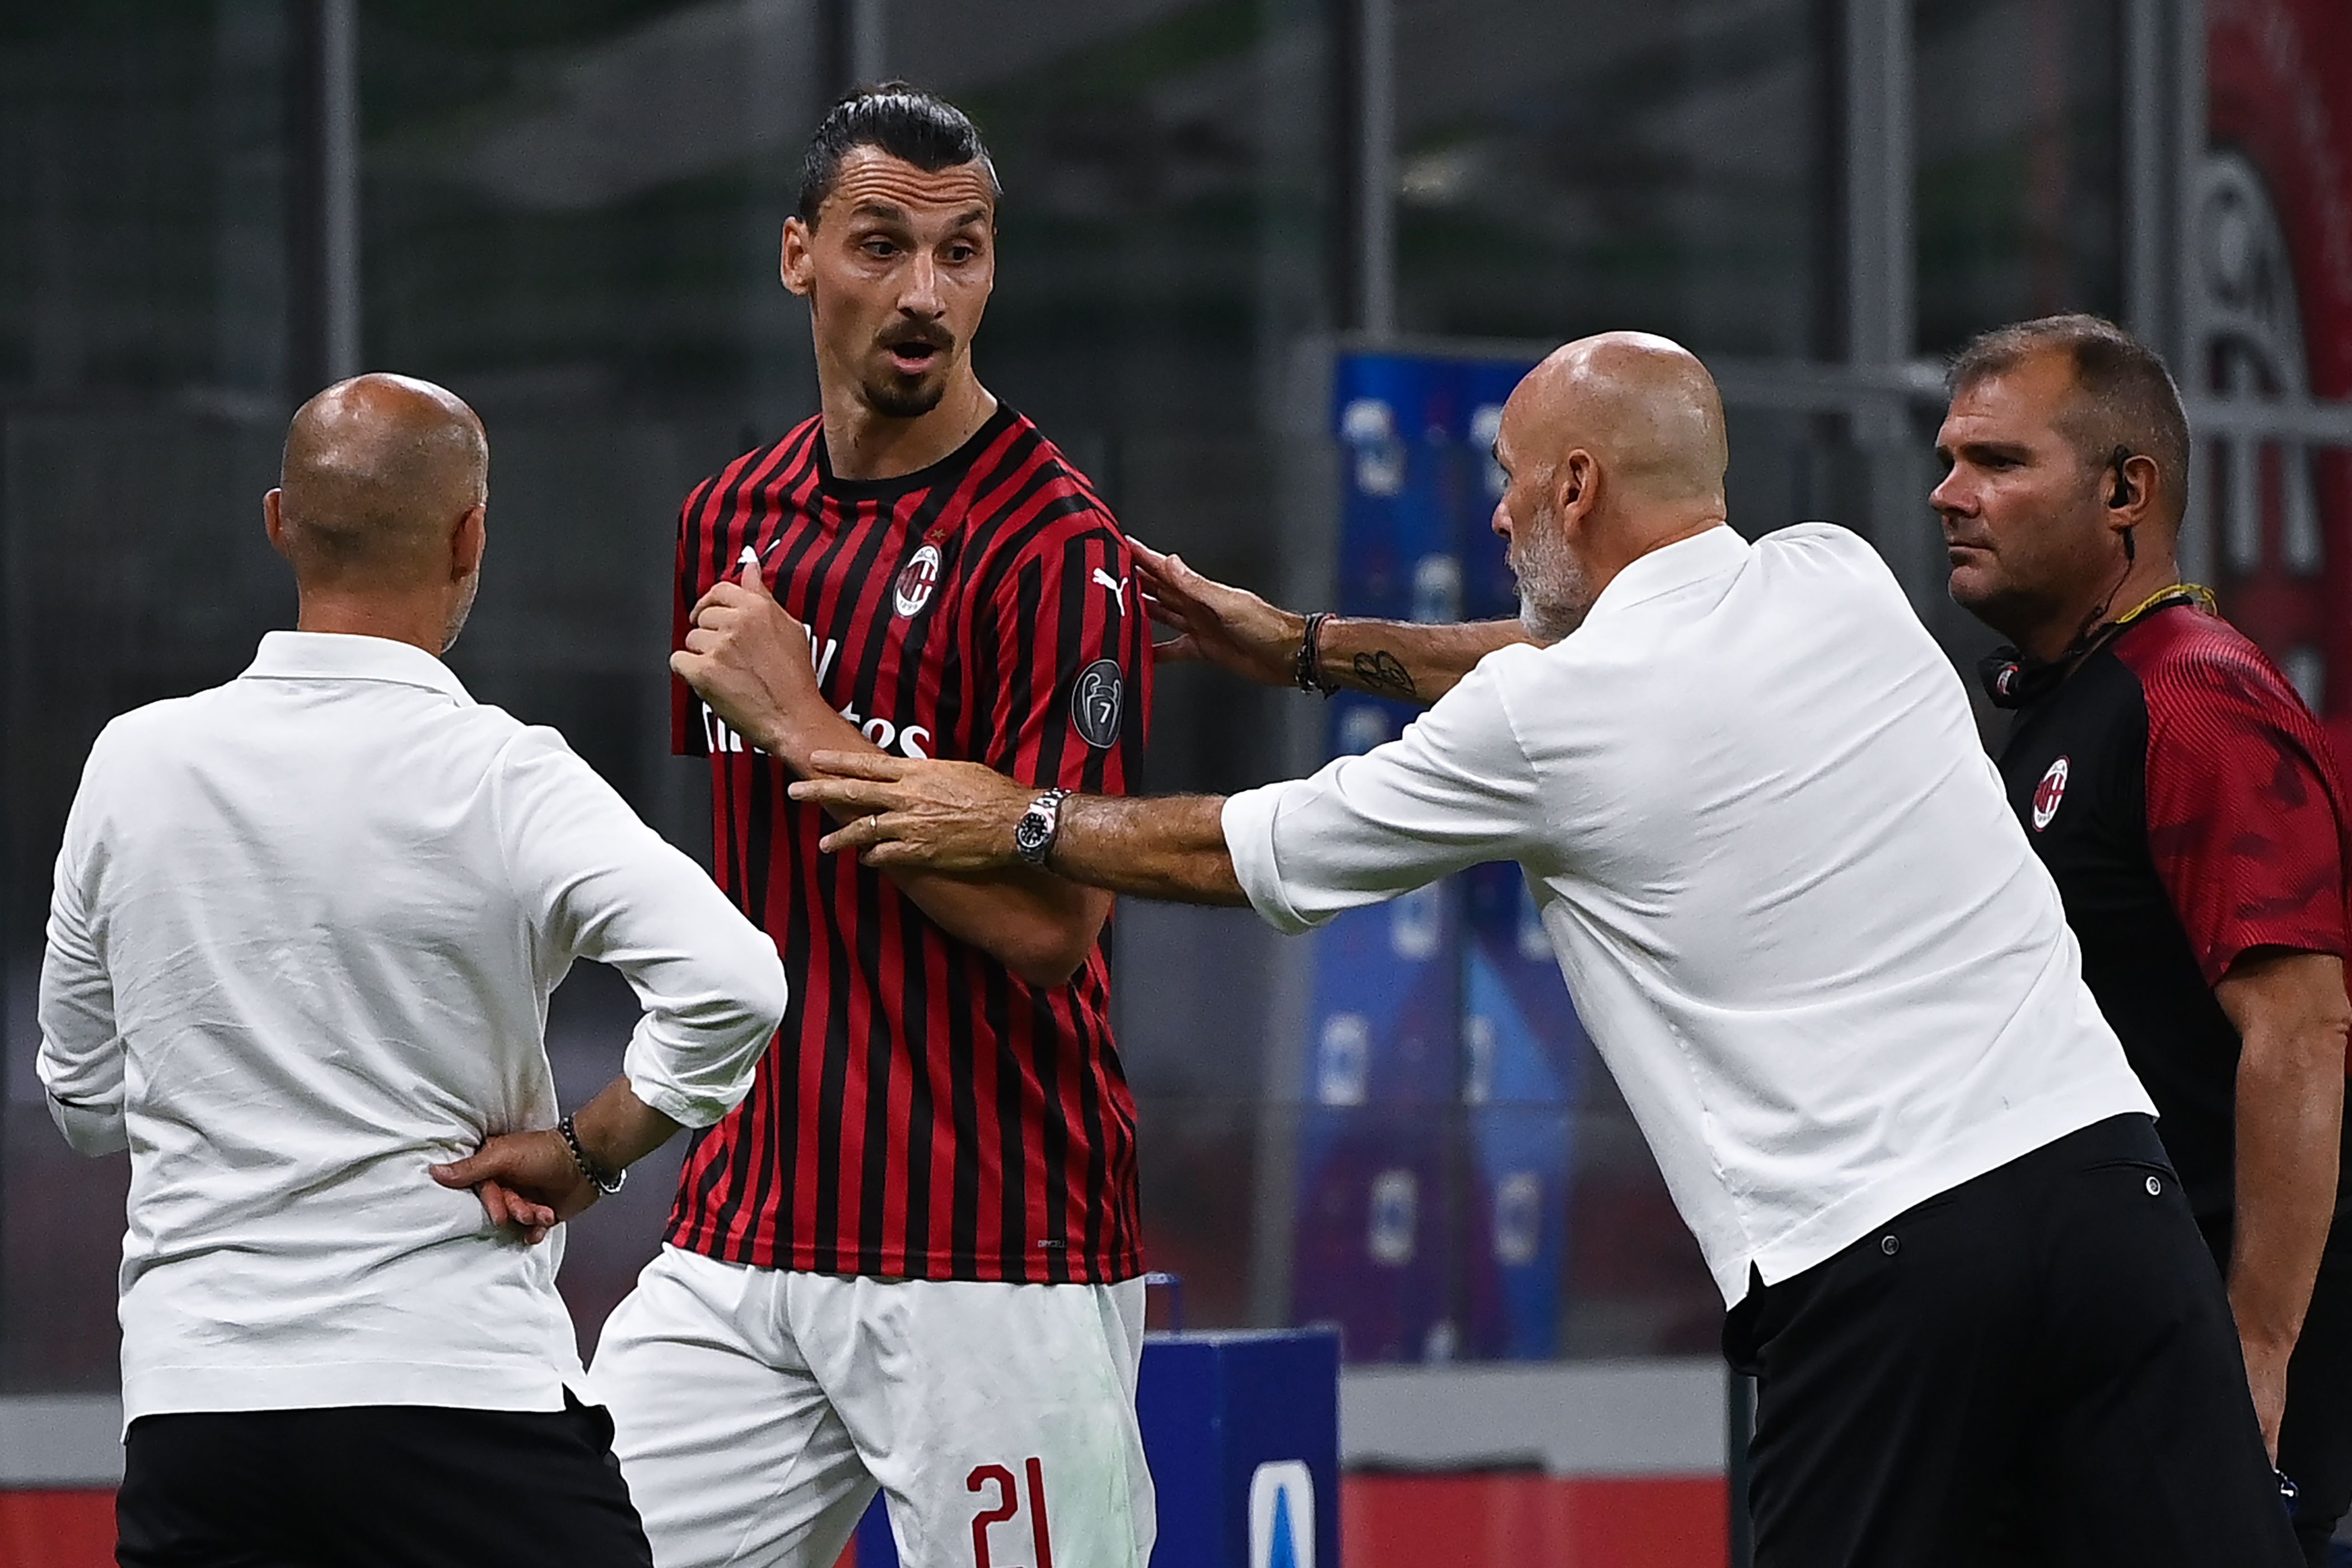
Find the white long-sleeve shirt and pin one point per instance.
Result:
(303, 933)
(1794, 911)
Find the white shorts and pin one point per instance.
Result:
(757, 1410)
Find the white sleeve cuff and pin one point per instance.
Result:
(1248, 823)
(91, 1129)
(648, 1064)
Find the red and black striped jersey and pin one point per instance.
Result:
(924, 1113)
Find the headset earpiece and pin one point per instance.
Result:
(2124, 494)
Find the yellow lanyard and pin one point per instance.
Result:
(2197, 591)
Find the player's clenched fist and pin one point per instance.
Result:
(749, 659)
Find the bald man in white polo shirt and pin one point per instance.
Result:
(1795, 914)
(300, 945)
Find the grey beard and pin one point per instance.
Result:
(1547, 622)
(1552, 595)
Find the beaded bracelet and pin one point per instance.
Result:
(1309, 672)
(606, 1182)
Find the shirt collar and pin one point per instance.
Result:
(348, 656)
(1711, 553)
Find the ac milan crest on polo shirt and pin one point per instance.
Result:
(2048, 793)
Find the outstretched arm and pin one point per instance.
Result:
(1455, 789)
(958, 818)
(1237, 630)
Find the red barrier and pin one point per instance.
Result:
(1526, 1521)
(1386, 1522)
(57, 1529)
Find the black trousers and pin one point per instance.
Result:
(382, 1486)
(2038, 1366)
(2315, 1438)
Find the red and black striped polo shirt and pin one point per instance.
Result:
(2185, 802)
(924, 1112)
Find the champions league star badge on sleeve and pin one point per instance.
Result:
(1096, 701)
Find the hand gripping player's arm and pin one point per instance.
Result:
(1455, 789)
(748, 658)
(1237, 630)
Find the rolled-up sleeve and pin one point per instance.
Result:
(601, 885)
(1453, 790)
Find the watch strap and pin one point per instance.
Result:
(1049, 806)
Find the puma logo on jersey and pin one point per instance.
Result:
(1117, 586)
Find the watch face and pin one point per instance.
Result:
(1030, 836)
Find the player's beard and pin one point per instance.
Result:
(1554, 591)
(893, 397)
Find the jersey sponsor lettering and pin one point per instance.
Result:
(925, 1112)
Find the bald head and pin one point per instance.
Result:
(1612, 447)
(1643, 405)
(379, 471)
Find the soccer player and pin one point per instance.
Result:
(304, 929)
(912, 1258)
(1835, 984)
(2182, 796)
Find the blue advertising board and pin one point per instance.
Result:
(1377, 1202)
(1524, 1053)
(1444, 1058)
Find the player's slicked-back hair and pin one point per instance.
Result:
(2125, 396)
(897, 117)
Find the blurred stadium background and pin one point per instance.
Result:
(1262, 262)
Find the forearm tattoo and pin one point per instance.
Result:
(1382, 672)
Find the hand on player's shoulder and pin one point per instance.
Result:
(1215, 622)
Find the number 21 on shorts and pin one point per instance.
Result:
(987, 1478)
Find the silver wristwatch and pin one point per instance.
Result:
(1034, 835)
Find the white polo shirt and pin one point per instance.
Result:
(1787, 895)
(302, 941)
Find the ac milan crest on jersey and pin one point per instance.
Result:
(2048, 793)
(916, 581)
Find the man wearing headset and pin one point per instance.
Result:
(2181, 795)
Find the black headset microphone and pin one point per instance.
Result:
(2012, 679)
